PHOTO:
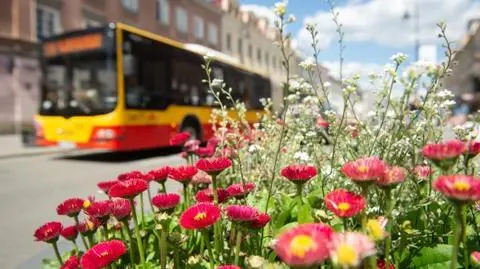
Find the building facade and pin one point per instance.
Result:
(24, 23)
(464, 80)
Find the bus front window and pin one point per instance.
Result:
(79, 85)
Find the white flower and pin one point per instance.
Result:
(291, 18)
(448, 103)
(308, 63)
(327, 84)
(371, 114)
(302, 156)
(311, 134)
(217, 83)
(445, 94)
(253, 148)
(280, 8)
(399, 58)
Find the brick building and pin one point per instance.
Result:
(23, 23)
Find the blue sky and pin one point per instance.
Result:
(374, 29)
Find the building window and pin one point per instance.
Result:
(267, 59)
(274, 62)
(198, 27)
(131, 5)
(163, 11)
(240, 46)
(48, 22)
(212, 34)
(250, 51)
(182, 19)
(229, 42)
(259, 55)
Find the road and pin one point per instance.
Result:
(31, 188)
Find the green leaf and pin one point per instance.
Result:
(433, 258)
(282, 218)
(305, 214)
(286, 227)
(315, 198)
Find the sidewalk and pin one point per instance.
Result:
(11, 147)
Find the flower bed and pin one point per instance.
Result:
(381, 191)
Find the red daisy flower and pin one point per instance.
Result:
(70, 207)
(200, 216)
(344, 204)
(160, 175)
(72, 263)
(100, 210)
(299, 173)
(206, 196)
(365, 169)
(473, 148)
(213, 142)
(121, 208)
(128, 188)
(201, 178)
(180, 139)
(103, 254)
(130, 175)
(423, 172)
(260, 221)
(348, 249)
(239, 190)
(191, 146)
(69, 232)
(227, 266)
(106, 185)
(204, 152)
(475, 256)
(214, 166)
(49, 232)
(393, 176)
(166, 201)
(304, 245)
(381, 265)
(460, 188)
(183, 174)
(444, 154)
(241, 213)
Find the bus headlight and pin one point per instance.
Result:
(105, 134)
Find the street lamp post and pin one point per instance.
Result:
(416, 26)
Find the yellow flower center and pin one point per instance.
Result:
(103, 254)
(301, 244)
(343, 206)
(460, 185)
(346, 255)
(362, 168)
(375, 229)
(200, 216)
(86, 203)
(90, 225)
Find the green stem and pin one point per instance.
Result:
(466, 256)
(176, 258)
(209, 248)
(185, 195)
(345, 225)
(57, 253)
(164, 188)
(130, 238)
(77, 251)
(163, 248)
(90, 240)
(299, 194)
(388, 212)
(459, 233)
(77, 224)
(237, 244)
(363, 215)
(105, 231)
(214, 188)
(137, 233)
(141, 208)
(150, 200)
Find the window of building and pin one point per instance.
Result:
(131, 5)
(267, 59)
(48, 22)
(163, 11)
(212, 34)
(259, 55)
(229, 41)
(240, 46)
(181, 19)
(250, 51)
(274, 62)
(198, 27)
(89, 23)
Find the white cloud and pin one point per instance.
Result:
(382, 22)
(261, 11)
(354, 68)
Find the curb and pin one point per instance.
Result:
(34, 153)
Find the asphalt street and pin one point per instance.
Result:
(32, 187)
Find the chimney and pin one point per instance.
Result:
(473, 25)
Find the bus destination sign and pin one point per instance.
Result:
(73, 44)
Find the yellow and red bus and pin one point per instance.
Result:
(121, 88)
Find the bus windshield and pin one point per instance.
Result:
(82, 84)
